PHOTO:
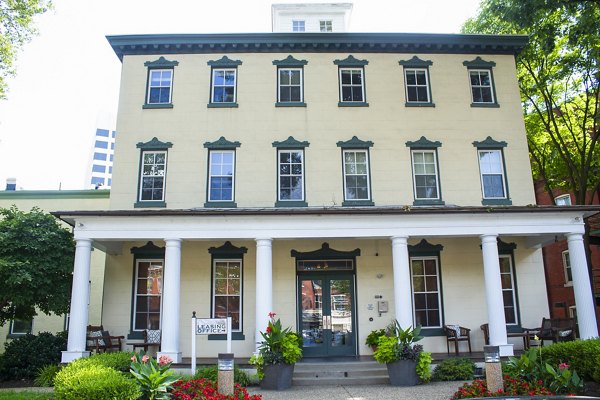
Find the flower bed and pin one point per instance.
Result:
(512, 387)
(203, 389)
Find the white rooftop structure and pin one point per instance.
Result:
(311, 17)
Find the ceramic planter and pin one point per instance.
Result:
(277, 376)
(403, 373)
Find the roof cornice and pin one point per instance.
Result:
(316, 42)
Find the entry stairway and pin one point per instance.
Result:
(309, 373)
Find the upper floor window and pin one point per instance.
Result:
(223, 88)
(567, 267)
(483, 93)
(160, 83)
(492, 172)
(563, 200)
(290, 82)
(356, 170)
(148, 294)
(221, 173)
(298, 26)
(352, 81)
(153, 173)
(290, 172)
(326, 26)
(416, 82)
(425, 169)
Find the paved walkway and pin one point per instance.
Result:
(430, 391)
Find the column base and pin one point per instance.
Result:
(175, 356)
(68, 356)
(506, 350)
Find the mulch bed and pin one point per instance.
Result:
(16, 384)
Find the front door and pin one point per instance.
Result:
(326, 314)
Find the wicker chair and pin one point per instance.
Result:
(456, 334)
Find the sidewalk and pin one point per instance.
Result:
(430, 391)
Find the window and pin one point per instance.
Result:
(492, 174)
(20, 327)
(290, 85)
(152, 181)
(227, 291)
(148, 294)
(326, 26)
(98, 168)
(426, 292)
(100, 144)
(159, 91)
(291, 175)
(356, 175)
(351, 85)
(417, 85)
(221, 175)
(425, 175)
(508, 289)
(298, 26)
(481, 86)
(223, 88)
(563, 200)
(567, 267)
(100, 156)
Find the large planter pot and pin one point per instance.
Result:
(277, 376)
(403, 373)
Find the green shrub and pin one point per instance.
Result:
(423, 366)
(454, 369)
(211, 374)
(119, 360)
(78, 381)
(46, 375)
(25, 356)
(582, 356)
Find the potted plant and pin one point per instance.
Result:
(373, 338)
(277, 354)
(400, 354)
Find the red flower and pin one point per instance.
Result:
(272, 314)
(269, 330)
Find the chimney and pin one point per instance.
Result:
(11, 184)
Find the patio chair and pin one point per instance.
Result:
(151, 337)
(555, 329)
(456, 334)
(99, 340)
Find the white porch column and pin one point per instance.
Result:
(80, 295)
(493, 295)
(584, 302)
(402, 292)
(171, 296)
(264, 285)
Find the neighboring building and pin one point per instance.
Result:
(311, 17)
(557, 263)
(102, 159)
(389, 167)
(53, 200)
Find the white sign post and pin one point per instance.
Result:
(209, 326)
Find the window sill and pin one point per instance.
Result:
(496, 202)
(290, 104)
(220, 204)
(353, 104)
(415, 104)
(222, 105)
(135, 335)
(150, 204)
(485, 105)
(16, 335)
(157, 105)
(234, 336)
(428, 203)
(357, 203)
(291, 204)
(432, 332)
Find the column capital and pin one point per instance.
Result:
(574, 236)
(399, 239)
(263, 241)
(83, 242)
(172, 241)
(489, 237)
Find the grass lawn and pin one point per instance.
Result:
(25, 395)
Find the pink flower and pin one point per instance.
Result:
(272, 314)
(145, 359)
(133, 359)
(164, 360)
(563, 366)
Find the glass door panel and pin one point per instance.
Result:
(311, 313)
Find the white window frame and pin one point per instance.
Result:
(346, 174)
(164, 175)
(416, 85)
(280, 85)
(241, 294)
(12, 326)
(563, 200)
(352, 85)
(412, 288)
(212, 175)
(479, 71)
(297, 24)
(566, 260)
(326, 25)
(513, 288)
(301, 152)
(481, 172)
(136, 295)
(437, 177)
(213, 85)
(150, 87)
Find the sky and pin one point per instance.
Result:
(67, 82)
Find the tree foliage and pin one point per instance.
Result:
(36, 262)
(16, 29)
(559, 81)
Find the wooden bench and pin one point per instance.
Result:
(555, 329)
(525, 335)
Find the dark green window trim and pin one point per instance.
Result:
(220, 204)
(423, 143)
(508, 249)
(351, 61)
(325, 253)
(291, 203)
(428, 332)
(407, 104)
(485, 105)
(154, 144)
(149, 204)
(426, 249)
(223, 105)
(496, 202)
(489, 143)
(479, 63)
(290, 104)
(428, 203)
(291, 143)
(357, 203)
(355, 143)
(351, 145)
(290, 61)
(157, 106)
(161, 63)
(224, 62)
(415, 62)
(234, 336)
(222, 144)
(353, 104)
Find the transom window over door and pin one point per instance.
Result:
(426, 292)
(227, 290)
(148, 294)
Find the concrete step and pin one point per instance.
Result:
(340, 373)
(372, 380)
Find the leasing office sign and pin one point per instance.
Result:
(211, 326)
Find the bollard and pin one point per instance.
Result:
(493, 368)
(225, 376)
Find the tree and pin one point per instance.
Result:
(16, 29)
(559, 80)
(36, 264)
